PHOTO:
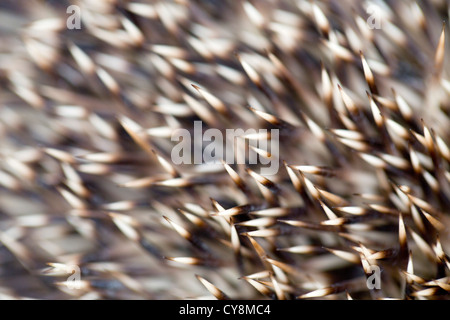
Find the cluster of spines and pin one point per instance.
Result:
(292, 235)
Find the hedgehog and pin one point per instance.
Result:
(94, 91)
